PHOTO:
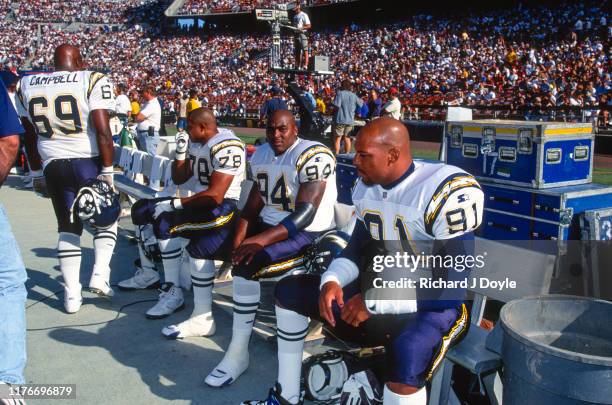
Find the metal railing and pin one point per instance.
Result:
(428, 112)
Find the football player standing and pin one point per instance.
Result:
(215, 169)
(292, 205)
(398, 200)
(69, 143)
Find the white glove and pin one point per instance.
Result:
(361, 388)
(39, 184)
(167, 206)
(106, 175)
(182, 141)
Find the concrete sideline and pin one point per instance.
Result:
(116, 357)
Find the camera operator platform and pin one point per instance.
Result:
(280, 24)
(283, 33)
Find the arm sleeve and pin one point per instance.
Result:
(101, 95)
(228, 157)
(315, 164)
(343, 270)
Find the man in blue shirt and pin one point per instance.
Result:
(345, 103)
(12, 269)
(273, 104)
(374, 105)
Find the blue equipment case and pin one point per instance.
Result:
(518, 213)
(522, 153)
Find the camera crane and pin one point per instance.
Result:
(312, 123)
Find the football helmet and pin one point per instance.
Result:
(325, 375)
(327, 247)
(97, 204)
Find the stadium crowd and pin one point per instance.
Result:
(521, 57)
(16, 43)
(90, 11)
(197, 7)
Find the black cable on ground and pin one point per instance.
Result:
(85, 324)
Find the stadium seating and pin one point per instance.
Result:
(199, 7)
(476, 59)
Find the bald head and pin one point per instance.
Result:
(382, 151)
(203, 116)
(67, 57)
(201, 125)
(388, 132)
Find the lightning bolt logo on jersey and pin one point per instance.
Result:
(58, 105)
(279, 179)
(224, 153)
(435, 201)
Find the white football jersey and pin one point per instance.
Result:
(279, 179)
(58, 105)
(224, 153)
(436, 201)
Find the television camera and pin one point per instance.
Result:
(312, 123)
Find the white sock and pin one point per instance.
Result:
(171, 258)
(145, 262)
(104, 245)
(291, 330)
(391, 398)
(69, 255)
(202, 280)
(246, 301)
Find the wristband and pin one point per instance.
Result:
(107, 170)
(177, 204)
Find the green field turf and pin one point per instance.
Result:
(602, 175)
(425, 154)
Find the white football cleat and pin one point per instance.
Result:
(143, 279)
(227, 371)
(72, 299)
(170, 301)
(197, 326)
(99, 285)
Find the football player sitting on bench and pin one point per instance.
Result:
(215, 171)
(292, 205)
(398, 200)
